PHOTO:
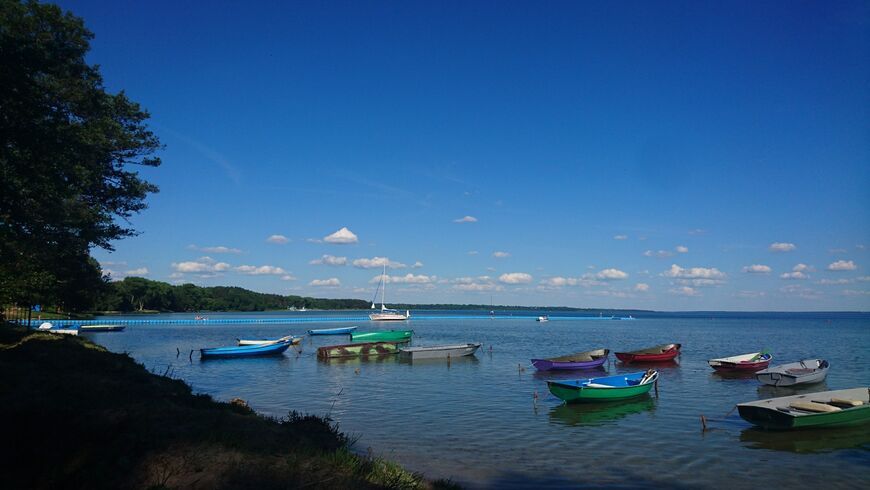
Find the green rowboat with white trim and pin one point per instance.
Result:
(610, 388)
(825, 409)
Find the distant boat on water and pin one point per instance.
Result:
(386, 314)
(543, 318)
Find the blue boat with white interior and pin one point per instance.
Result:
(271, 349)
(332, 331)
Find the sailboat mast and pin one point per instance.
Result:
(384, 291)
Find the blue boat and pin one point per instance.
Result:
(332, 331)
(271, 349)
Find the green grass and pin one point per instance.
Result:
(78, 416)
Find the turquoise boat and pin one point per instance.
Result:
(382, 336)
(610, 388)
(332, 331)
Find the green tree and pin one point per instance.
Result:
(66, 149)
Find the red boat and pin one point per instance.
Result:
(665, 352)
(754, 361)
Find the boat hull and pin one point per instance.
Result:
(388, 317)
(383, 336)
(293, 341)
(332, 331)
(777, 414)
(101, 328)
(357, 350)
(727, 367)
(667, 353)
(439, 351)
(547, 365)
(804, 372)
(272, 349)
(578, 391)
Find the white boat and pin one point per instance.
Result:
(386, 314)
(439, 351)
(801, 372)
(293, 341)
(544, 318)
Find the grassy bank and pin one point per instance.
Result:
(78, 416)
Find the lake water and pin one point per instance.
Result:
(475, 420)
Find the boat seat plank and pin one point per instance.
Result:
(842, 402)
(814, 407)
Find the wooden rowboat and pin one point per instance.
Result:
(361, 349)
(610, 388)
(271, 349)
(826, 409)
(753, 361)
(101, 328)
(332, 331)
(293, 341)
(578, 360)
(382, 336)
(664, 352)
(439, 351)
(801, 372)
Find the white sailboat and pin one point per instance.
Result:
(386, 314)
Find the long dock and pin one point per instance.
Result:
(299, 319)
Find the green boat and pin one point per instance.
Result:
(382, 336)
(825, 409)
(357, 350)
(101, 328)
(611, 388)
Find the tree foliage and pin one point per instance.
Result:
(66, 147)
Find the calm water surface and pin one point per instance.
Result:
(476, 420)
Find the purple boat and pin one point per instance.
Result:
(579, 360)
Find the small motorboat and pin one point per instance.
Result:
(362, 349)
(825, 409)
(439, 351)
(270, 349)
(664, 352)
(744, 362)
(101, 328)
(610, 388)
(579, 360)
(332, 331)
(544, 318)
(794, 373)
(382, 336)
(293, 341)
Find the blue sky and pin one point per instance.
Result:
(663, 155)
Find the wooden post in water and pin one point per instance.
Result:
(703, 423)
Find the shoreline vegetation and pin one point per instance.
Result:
(83, 417)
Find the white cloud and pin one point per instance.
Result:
(782, 247)
(262, 270)
(694, 273)
(278, 239)
(500, 254)
(842, 265)
(757, 269)
(215, 250)
(341, 237)
(142, 271)
(864, 278)
(406, 279)
(201, 265)
(515, 278)
(697, 231)
(803, 292)
(288, 277)
(641, 286)
(587, 280)
(660, 253)
(466, 219)
(332, 282)
(800, 267)
(480, 283)
(473, 252)
(855, 292)
(794, 275)
(620, 237)
(750, 294)
(375, 262)
(611, 274)
(681, 249)
(685, 291)
(313, 240)
(327, 259)
(417, 265)
(829, 282)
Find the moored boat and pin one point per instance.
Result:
(101, 328)
(664, 352)
(439, 351)
(332, 331)
(357, 350)
(610, 388)
(386, 314)
(543, 318)
(802, 372)
(382, 336)
(744, 362)
(271, 349)
(825, 409)
(293, 341)
(579, 360)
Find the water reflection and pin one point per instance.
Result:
(353, 361)
(596, 372)
(767, 391)
(723, 375)
(575, 414)
(807, 441)
(642, 366)
(444, 361)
